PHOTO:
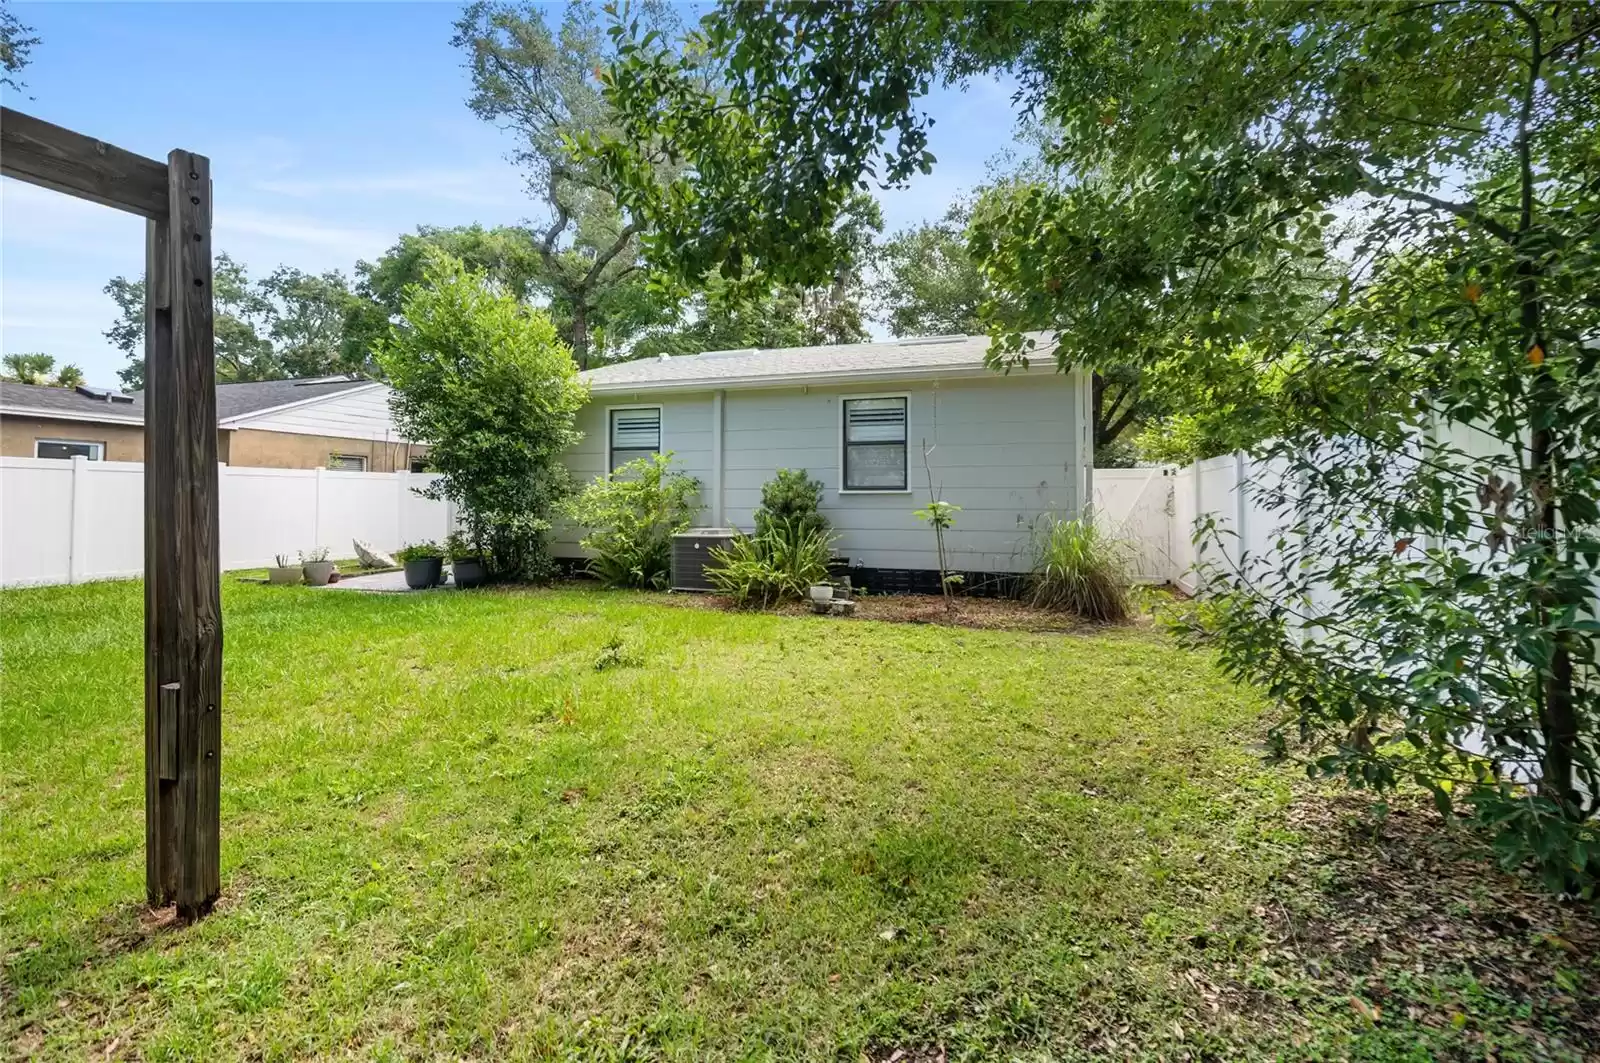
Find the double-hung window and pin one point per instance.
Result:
(875, 444)
(635, 433)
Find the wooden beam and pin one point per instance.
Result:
(35, 151)
(190, 490)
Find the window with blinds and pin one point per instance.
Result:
(875, 444)
(348, 462)
(635, 434)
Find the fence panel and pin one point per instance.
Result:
(1135, 505)
(70, 521)
(36, 521)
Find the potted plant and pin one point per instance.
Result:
(424, 563)
(466, 562)
(316, 566)
(283, 574)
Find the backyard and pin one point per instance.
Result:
(577, 824)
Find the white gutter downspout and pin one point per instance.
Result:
(717, 459)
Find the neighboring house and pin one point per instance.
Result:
(1008, 449)
(332, 422)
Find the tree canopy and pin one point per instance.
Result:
(542, 85)
(289, 323)
(38, 368)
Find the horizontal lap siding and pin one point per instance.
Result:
(685, 431)
(1003, 450)
(361, 414)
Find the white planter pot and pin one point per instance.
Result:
(821, 592)
(287, 576)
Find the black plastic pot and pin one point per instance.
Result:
(469, 572)
(424, 572)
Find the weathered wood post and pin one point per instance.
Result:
(188, 599)
(183, 604)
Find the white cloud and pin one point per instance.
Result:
(257, 237)
(497, 186)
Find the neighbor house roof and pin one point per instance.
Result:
(904, 359)
(110, 407)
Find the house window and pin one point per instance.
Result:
(875, 444)
(347, 462)
(635, 433)
(419, 464)
(68, 448)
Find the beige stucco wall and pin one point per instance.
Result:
(244, 446)
(290, 450)
(123, 442)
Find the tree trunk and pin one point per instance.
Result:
(580, 333)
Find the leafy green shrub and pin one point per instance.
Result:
(791, 498)
(488, 386)
(1078, 568)
(632, 516)
(423, 551)
(762, 570)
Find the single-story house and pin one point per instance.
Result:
(872, 422)
(327, 422)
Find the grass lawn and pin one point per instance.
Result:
(459, 826)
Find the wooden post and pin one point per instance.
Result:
(161, 610)
(184, 485)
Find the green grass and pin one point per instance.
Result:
(573, 824)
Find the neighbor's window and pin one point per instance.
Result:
(68, 448)
(347, 462)
(419, 464)
(875, 444)
(635, 434)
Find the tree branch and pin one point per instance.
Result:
(1468, 212)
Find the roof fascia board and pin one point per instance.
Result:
(66, 415)
(795, 380)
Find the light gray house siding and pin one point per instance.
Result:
(1007, 449)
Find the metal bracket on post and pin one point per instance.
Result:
(167, 707)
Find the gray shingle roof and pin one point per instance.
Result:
(236, 400)
(45, 401)
(774, 368)
(233, 400)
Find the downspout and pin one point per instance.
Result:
(716, 459)
(1086, 446)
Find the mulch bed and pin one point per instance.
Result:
(1391, 908)
(996, 614)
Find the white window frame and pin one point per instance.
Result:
(839, 436)
(99, 448)
(661, 417)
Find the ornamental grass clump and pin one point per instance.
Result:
(1078, 568)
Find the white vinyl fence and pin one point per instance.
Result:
(78, 520)
(1155, 510)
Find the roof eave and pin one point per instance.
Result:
(85, 416)
(793, 380)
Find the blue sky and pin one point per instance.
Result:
(331, 128)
